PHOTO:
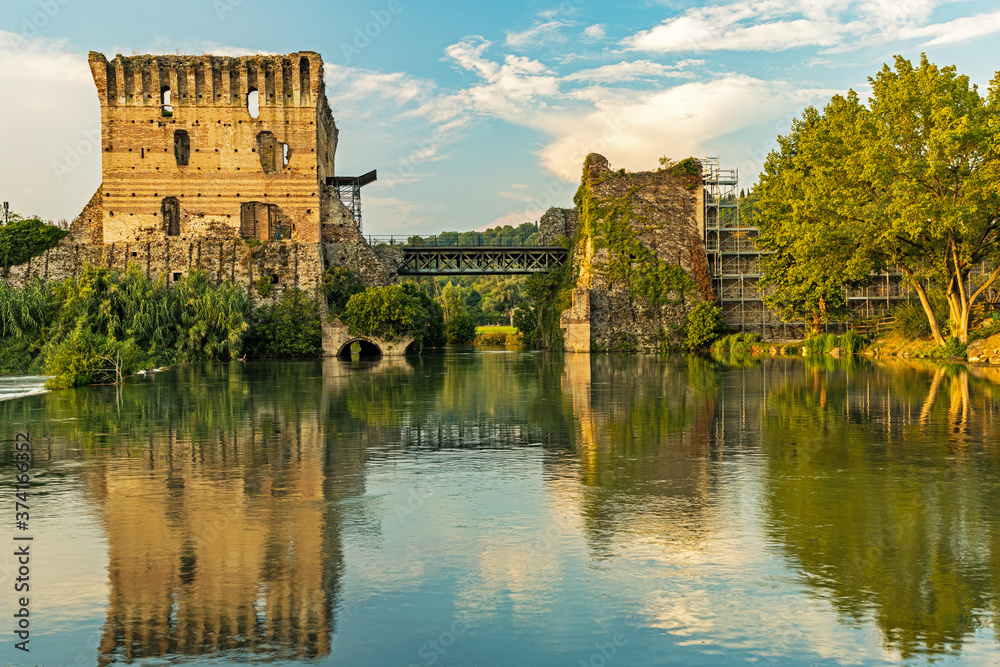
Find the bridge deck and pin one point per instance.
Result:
(480, 260)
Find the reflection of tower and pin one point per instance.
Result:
(644, 429)
(228, 544)
(576, 382)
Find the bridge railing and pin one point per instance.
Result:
(462, 240)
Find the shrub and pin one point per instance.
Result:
(23, 239)
(264, 286)
(461, 329)
(953, 348)
(526, 321)
(702, 325)
(491, 339)
(910, 320)
(395, 312)
(434, 333)
(820, 344)
(139, 322)
(339, 285)
(852, 342)
(289, 329)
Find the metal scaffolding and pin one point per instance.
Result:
(734, 262)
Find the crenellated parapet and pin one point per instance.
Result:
(291, 80)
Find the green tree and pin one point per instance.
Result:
(339, 285)
(451, 302)
(289, 329)
(394, 312)
(24, 238)
(702, 326)
(526, 322)
(817, 251)
(910, 181)
(461, 329)
(434, 333)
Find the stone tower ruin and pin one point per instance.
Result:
(223, 164)
(186, 154)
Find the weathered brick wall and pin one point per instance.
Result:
(666, 218)
(285, 264)
(88, 227)
(345, 245)
(229, 163)
(208, 98)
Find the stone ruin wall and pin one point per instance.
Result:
(669, 222)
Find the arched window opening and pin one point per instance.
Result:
(182, 147)
(304, 81)
(171, 211)
(285, 153)
(165, 109)
(253, 103)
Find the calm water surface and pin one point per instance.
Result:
(512, 509)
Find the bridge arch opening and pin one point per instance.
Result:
(364, 349)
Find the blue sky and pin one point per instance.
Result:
(481, 113)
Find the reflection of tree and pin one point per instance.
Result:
(898, 525)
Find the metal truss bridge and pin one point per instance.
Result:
(423, 257)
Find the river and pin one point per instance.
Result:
(511, 508)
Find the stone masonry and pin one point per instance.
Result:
(667, 219)
(196, 175)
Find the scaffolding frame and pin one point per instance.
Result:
(735, 267)
(348, 191)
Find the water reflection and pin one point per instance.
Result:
(676, 491)
(644, 446)
(881, 486)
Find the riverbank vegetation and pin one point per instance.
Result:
(103, 324)
(908, 181)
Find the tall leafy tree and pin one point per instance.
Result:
(816, 248)
(909, 180)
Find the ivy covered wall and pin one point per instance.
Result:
(637, 248)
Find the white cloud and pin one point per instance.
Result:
(712, 30)
(678, 121)
(777, 25)
(507, 89)
(958, 30)
(517, 196)
(630, 71)
(537, 35)
(595, 31)
(631, 127)
(896, 13)
(52, 119)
